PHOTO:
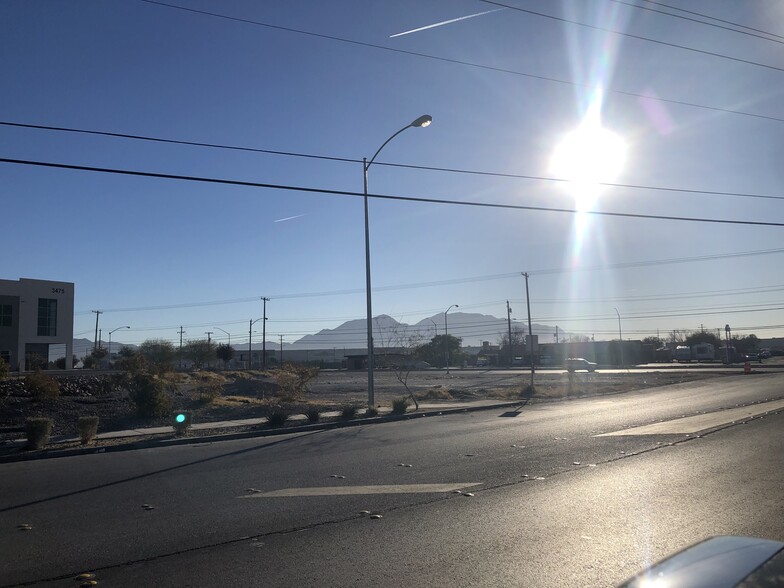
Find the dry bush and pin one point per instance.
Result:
(88, 428)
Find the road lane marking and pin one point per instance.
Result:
(700, 422)
(353, 490)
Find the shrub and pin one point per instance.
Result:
(348, 412)
(528, 391)
(277, 416)
(371, 411)
(208, 392)
(400, 406)
(182, 423)
(313, 413)
(38, 430)
(293, 379)
(148, 394)
(4, 369)
(88, 427)
(41, 386)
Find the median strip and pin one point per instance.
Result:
(700, 422)
(355, 490)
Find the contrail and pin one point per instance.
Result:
(445, 22)
(288, 218)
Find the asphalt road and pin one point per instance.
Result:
(557, 501)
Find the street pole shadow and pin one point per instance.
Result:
(516, 412)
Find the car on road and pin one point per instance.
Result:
(753, 357)
(574, 364)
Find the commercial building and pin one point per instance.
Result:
(35, 314)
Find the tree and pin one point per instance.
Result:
(655, 341)
(158, 353)
(200, 352)
(435, 351)
(517, 343)
(676, 337)
(225, 353)
(745, 344)
(703, 337)
(409, 344)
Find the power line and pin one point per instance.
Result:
(461, 62)
(419, 199)
(702, 22)
(630, 35)
(395, 165)
(713, 18)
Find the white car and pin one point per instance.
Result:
(578, 363)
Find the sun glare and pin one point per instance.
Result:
(587, 157)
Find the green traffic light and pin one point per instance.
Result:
(180, 418)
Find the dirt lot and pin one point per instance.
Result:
(218, 396)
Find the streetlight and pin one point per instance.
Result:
(620, 334)
(435, 326)
(446, 336)
(110, 339)
(250, 340)
(422, 121)
(229, 334)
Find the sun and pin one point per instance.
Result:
(587, 157)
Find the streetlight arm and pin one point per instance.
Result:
(422, 121)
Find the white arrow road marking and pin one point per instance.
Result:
(700, 422)
(352, 490)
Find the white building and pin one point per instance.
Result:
(35, 314)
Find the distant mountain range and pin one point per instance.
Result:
(472, 328)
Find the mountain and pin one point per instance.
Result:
(472, 328)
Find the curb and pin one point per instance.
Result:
(154, 444)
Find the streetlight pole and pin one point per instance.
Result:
(227, 333)
(264, 335)
(446, 336)
(435, 326)
(110, 339)
(250, 340)
(422, 121)
(620, 334)
(530, 332)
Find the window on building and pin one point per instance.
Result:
(47, 317)
(5, 315)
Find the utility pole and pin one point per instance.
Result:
(264, 335)
(181, 331)
(209, 336)
(509, 327)
(281, 349)
(250, 340)
(556, 334)
(530, 332)
(100, 336)
(620, 334)
(97, 314)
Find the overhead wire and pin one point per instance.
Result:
(702, 22)
(629, 35)
(468, 203)
(459, 62)
(381, 163)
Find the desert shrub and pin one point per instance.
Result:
(182, 422)
(41, 386)
(528, 391)
(4, 369)
(88, 427)
(293, 379)
(348, 412)
(313, 414)
(399, 406)
(38, 430)
(148, 394)
(208, 392)
(277, 416)
(371, 411)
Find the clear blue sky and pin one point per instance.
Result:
(128, 66)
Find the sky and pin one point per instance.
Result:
(507, 90)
